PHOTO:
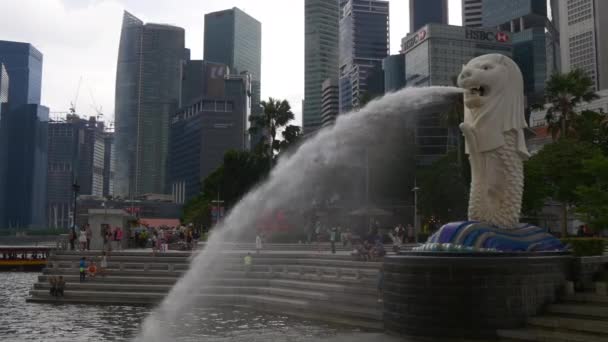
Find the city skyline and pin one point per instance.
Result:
(79, 38)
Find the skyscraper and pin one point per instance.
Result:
(583, 37)
(4, 84)
(424, 12)
(23, 64)
(364, 43)
(534, 40)
(234, 38)
(472, 13)
(76, 153)
(148, 83)
(330, 101)
(321, 35)
(23, 138)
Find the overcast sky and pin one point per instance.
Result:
(79, 38)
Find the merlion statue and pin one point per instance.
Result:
(493, 127)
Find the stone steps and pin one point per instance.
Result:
(332, 288)
(580, 317)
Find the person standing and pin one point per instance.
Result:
(103, 264)
(60, 287)
(82, 239)
(333, 235)
(248, 260)
(89, 234)
(258, 243)
(119, 237)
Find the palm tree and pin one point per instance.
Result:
(563, 93)
(276, 114)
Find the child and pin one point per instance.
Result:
(92, 269)
(248, 262)
(83, 266)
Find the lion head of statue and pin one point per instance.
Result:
(494, 99)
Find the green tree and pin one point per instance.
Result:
(563, 93)
(592, 127)
(592, 204)
(276, 115)
(555, 173)
(239, 172)
(443, 192)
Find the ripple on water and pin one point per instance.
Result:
(21, 321)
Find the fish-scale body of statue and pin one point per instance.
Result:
(493, 127)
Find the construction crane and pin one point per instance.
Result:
(73, 103)
(96, 108)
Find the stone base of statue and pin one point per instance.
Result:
(471, 236)
(469, 295)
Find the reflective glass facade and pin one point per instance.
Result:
(234, 38)
(535, 40)
(23, 63)
(148, 85)
(394, 72)
(424, 12)
(321, 56)
(364, 43)
(24, 131)
(4, 84)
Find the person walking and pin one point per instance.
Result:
(258, 243)
(82, 268)
(89, 234)
(103, 264)
(333, 235)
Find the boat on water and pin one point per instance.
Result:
(23, 258)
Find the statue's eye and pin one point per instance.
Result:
(486, 67)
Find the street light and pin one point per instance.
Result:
(415, 190)
(75, 189)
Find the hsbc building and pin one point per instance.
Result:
(434, 55)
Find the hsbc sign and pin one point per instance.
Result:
(417, 38)
(489, 36)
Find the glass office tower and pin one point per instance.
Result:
(148, 91)
(424, 12)
(23, 63)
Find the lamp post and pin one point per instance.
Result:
(415, 190)
(75, 189)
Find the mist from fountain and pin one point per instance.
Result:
(292, 184)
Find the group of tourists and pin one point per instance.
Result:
(89, 268)
(368, 251)
(185, 238)
(112, 238)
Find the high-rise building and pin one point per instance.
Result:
(202, 133)
(24, 130)
(321, 35)
(4, 84)
(472, 13)
(534, 40)
(424, 12)
(108, 164)
(23, 138)
(364, 43)
(583, 37)
(394, 72)
(76, 154)
(23, 64)
(330, 101)
(148, 91)
(234, 38)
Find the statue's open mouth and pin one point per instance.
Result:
(479, 91)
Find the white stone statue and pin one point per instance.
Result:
(493, 128)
